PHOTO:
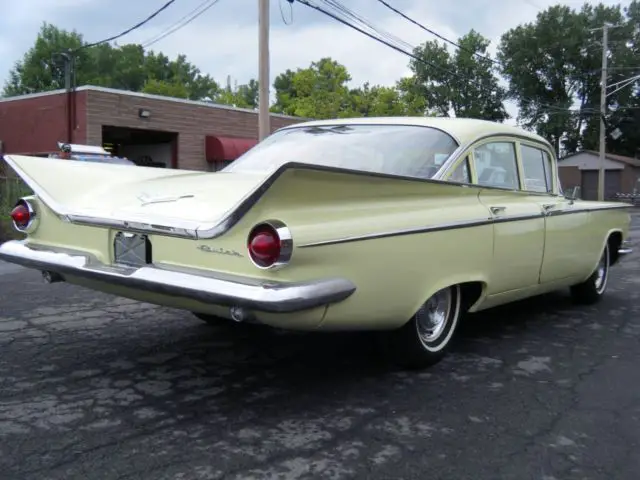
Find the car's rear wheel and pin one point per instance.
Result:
(425, 339)
(591, 290)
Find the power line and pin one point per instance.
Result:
(548, 109)
(432, 32)
(182, 22)
(423, 61)
(385, 42)
(131, 29)
(359, 19)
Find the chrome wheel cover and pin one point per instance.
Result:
(602, 272)
(434, 315)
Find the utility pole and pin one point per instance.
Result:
(68, 69)
(603, 110)
(264, 127)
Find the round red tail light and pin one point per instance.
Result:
(21, 215)
(270, 244)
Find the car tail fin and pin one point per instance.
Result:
(62, 184)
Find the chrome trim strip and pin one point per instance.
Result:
(204, 286)
(432, 228)
(455, 225)
(569, 211)
(135, 226)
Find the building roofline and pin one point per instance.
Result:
(27, 96)
(149, 96)
(612, 157)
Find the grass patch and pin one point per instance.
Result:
(12, 188)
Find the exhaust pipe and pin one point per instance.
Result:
(52, 277)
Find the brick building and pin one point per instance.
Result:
(621, 174)
(171, 132)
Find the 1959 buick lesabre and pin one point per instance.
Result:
(388, 224)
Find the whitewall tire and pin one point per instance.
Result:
(592, 290)
(425, 339)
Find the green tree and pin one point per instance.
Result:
(40, 69)
(127, 67)
(165, 88)
(461, 83)
(322, 91)
(241, 96)
(381, 101)
(319, 91)
(553, 67)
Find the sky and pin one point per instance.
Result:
(224, 40)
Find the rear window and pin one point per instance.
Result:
(406, 150)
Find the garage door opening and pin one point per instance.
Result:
(148, 148)
(612, 184)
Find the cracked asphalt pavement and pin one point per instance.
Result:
(97, 387)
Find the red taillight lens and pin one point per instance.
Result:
(21, 215)
(264, 246)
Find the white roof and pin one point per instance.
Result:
(462, 129)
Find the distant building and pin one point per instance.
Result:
(147, 129)
(581, 170)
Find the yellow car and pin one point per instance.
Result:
(398, 225)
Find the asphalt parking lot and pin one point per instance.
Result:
(96, 387)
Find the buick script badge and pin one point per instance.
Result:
(219, 251)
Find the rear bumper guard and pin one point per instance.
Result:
(204, 286)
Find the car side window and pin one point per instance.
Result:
(461, 173)
(536, 168)
(496, 165)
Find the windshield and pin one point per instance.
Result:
(410, 151)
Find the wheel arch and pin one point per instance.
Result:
(472, 291)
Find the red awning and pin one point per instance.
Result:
(224, 149)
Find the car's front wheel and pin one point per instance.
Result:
(591, 290)
(425, 339)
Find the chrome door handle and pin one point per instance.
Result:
(548, 206)
(498, 209)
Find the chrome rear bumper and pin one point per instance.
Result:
(201, 285)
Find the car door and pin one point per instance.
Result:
(567, 245)
(518, 223)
